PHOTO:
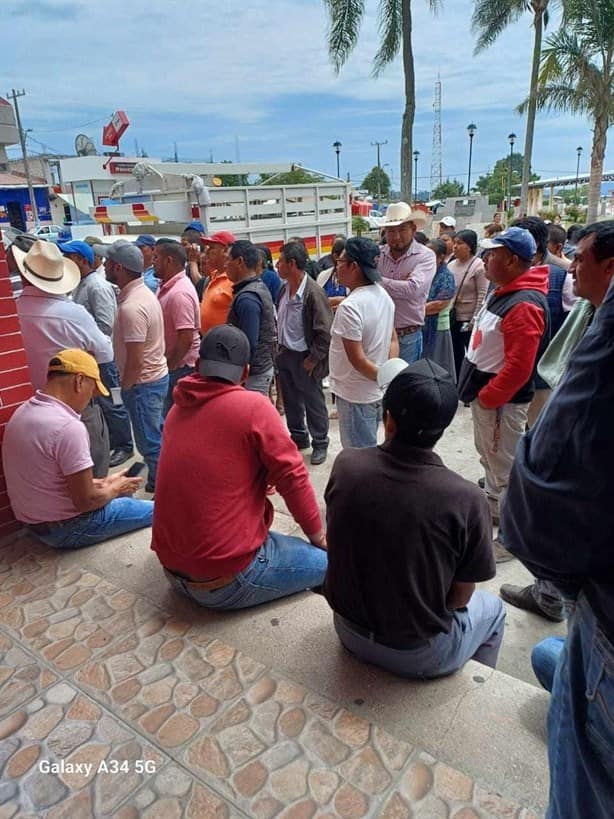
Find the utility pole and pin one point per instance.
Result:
(379, 169)
(22, 139)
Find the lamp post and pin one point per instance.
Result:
(471, 129)
(416, 155)
(579, 152)
(511, 139)
(337, 147)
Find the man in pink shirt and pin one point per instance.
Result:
(138, 341)
(407, 269)
(48, 466)
(181, 313)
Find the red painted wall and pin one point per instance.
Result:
(15, 386)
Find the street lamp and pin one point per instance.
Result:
(511, 139)
(416, 155)
(337, 147)
(471, 129)
(579, 152)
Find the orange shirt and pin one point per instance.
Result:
(216, 302)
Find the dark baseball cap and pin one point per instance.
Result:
(365, 253)
(224, 353)
(422, 399)
(516, 239)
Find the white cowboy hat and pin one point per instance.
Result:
(45, 267)
(400, 212)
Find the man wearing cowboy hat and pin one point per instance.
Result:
(407, 269)
(51, 322)
(48, 468)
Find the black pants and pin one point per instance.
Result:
(303, 395)
(96, 426)
(116, 415)
(460, 343)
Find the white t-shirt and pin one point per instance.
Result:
(366, 315)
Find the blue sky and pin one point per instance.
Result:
(255, 75)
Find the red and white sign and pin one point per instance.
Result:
(116, 128)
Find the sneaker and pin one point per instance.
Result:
(482, 483)
(500, 552)
(523, 598)
(120, 456)
(302, 443)
(318, 456)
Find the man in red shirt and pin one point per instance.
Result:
(223, 445)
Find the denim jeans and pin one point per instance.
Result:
(581, 723)
(544, 659)
(144, 403)
(119, 516)
(116, 415)
(283, 565)
(358, 423)
(260, 382)
(410, 347)
(475, 634)
(173, 378)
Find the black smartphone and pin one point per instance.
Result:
(135, 470)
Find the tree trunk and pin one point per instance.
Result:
(600, 132)
(538, 22)
(410, 105)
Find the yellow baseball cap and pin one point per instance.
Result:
(77, 361)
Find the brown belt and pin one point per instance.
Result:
(203, 585)
(406, 331)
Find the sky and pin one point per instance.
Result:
(251, 81)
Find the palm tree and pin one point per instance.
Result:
(577, 76)
(490, 18)
(395, 28)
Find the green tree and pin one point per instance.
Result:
(494, 184)
(377, 182)
(490, 18)
(233, 180)
(451, 187)
(296, 177)
(395, 29)
(577, 76)
(359, 226)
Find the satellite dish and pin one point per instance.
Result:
(84, 146)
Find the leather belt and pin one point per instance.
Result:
(406, 331)
(400, 644)
(203, 585)
(45, 528)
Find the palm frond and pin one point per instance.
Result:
(558, 97)
(491, 17)
(390, 27)
(345, 19)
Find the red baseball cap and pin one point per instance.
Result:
(222, 237)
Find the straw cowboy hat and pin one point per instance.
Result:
(400, 212)
(45, 267)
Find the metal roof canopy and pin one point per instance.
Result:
(567, 181)
(221, 168)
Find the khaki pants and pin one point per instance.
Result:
(496, 434)
(537, 405)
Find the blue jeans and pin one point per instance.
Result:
(358, 423)
(116, 416)
(283, 565)
(144, 403)
(475, 634)
(581, 723)
(173, 378)
(119, 516)
(544, 659)
(410, 347)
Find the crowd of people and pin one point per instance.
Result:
(176, 348)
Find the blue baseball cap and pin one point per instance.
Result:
(516, 239)
(80, 248)
(146, 240)
(195, 225)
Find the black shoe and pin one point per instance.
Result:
(120, 456)
(481, 482)
(150, 487)
(318, 456)
(302, 443)
(523, 598)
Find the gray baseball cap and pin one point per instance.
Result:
(124, 253)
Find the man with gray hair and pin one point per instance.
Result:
(138, 340)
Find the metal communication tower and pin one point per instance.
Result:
(436, 153)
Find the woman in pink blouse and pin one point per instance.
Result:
(471, 286)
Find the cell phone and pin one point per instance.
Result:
(135, 470)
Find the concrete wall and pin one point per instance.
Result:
(15, 386)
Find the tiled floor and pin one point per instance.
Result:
(110, 706)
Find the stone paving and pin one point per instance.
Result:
(112, 706)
